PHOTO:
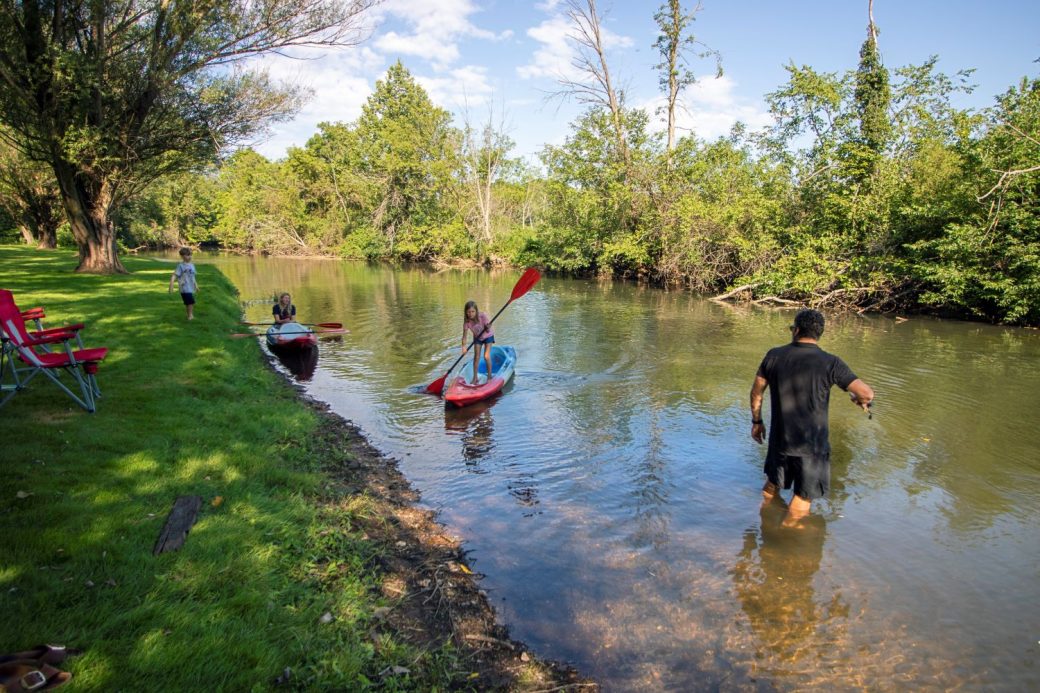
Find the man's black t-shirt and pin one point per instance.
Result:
(800, 376)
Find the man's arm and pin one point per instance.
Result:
(861, 394)
(758, 428)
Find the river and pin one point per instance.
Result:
(610, 496)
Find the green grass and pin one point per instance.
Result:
(185, 410)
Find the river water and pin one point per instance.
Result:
(610, 496)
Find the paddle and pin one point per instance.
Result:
(330, 325)
(528, 279)
(236, 335)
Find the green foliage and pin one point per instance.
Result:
(29, 197)
(989, 264)
(872, 96)
(407, 148)
(177, 210)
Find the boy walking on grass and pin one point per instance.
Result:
(185, 276)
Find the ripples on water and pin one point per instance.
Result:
(611, 494)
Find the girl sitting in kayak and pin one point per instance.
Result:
(284, 311)
(483, 336)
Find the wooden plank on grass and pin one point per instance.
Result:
(178, 524)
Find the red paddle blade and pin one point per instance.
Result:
(330, 325)
(437, 386)
(530, 278)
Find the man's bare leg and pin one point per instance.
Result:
(769, 492)
(797, 510)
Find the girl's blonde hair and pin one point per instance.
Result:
(465, 311)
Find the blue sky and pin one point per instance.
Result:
(502, 57)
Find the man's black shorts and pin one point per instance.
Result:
(809, 476)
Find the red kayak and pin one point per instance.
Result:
(461, 392)
(291, 335)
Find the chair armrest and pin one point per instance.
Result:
(60, 336)
(39, 334)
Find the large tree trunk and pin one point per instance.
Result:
(88, 216)
(41, 215)
(27, 234)
(48, 239)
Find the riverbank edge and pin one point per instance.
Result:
(437, 597)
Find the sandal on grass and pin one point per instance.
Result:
(26, 675)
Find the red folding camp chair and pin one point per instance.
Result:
(37, 315)
(21, 346)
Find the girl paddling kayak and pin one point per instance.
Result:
(478, 324)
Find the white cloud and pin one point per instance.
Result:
(709, 110)
(555, 56)
(462, 87)
(339, 84)
(435, 29)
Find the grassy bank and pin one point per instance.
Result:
(295, 529)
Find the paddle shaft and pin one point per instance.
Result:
(264, 334)
(332, 325)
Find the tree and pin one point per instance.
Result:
(673, 43)
(113, 94)
(988, 263)
(29, 196)
(484, 160)
(407, 150)
(260, 208)
(872, 97)
(594, 85)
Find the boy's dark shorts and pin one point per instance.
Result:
(809, 476)
(189, 299)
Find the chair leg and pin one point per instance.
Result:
(7, 363)
(86, 401)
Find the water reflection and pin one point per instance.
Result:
(475, 427)
(300, 362)
(774, 580)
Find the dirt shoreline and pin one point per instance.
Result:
(423, 568)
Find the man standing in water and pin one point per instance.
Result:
(799, 376)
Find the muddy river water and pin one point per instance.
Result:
(610, 496)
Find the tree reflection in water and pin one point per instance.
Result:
(773, 577)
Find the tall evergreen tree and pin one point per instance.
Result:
(873, 95)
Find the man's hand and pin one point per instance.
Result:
(861, 394)
(758, 432)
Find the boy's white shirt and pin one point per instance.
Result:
(185, 274)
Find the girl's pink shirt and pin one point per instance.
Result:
(476, 326)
